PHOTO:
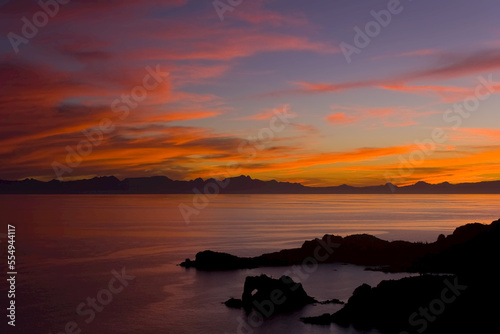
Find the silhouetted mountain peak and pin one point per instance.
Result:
(242, 178)
(422, 183)
(242, 184)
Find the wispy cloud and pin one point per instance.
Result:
(414, 53)
(387, 117)
(448, 67)
(268, 114)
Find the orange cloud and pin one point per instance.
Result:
(475, 135)
(341, 118)
(387, 116)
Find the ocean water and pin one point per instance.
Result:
(70, 249)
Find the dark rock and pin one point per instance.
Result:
(387, 306)
(471, 253)
(270, 296)
(208, 260)
(234, 303)
(447, 254)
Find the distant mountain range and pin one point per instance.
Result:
(235, 185)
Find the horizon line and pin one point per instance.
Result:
(244, 176)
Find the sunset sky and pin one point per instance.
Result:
(263, 88)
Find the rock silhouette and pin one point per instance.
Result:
(234, 303)
(464, 303)
(469, 256)
(209, 260)
(443, 255)
(271, 296)
(386, 306)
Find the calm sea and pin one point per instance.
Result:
(68, 246)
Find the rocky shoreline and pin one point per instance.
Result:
(463, 301)
(360, 249)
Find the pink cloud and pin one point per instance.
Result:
(386, 116)
(446, 93)
(341, 118)
(455, 67)
(268, 114)
(414, 53)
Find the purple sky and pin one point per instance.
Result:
(268, 91)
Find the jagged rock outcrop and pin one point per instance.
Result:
(464, 303)
(208, 260)
(387, 306)
(270, 296)
(443, 255)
